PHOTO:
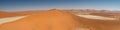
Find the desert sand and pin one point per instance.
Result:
(48, 20)
(4, 14)
(60, 20)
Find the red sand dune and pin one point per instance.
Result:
(59, 20)
(27, 12)
(7, 14)
(21, 13)
(49, 20)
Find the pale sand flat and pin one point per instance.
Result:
(97, 17)
(10, 19)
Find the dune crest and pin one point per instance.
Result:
(49, 20)
(56, 19)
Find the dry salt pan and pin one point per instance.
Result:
(10, 19)
(97, 17)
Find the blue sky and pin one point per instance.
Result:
(20, 5)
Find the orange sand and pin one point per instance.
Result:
(59, 20)
(12, 14)
(49, 20)
(7, 14)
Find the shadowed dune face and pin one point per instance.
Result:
(59, 20)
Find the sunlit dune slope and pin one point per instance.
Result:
(60, 20)
(48, 20)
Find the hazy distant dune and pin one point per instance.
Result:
(19, 13)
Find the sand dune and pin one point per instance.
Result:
(20, 13)
(7, 14)
(48, 20)
(60, 20)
